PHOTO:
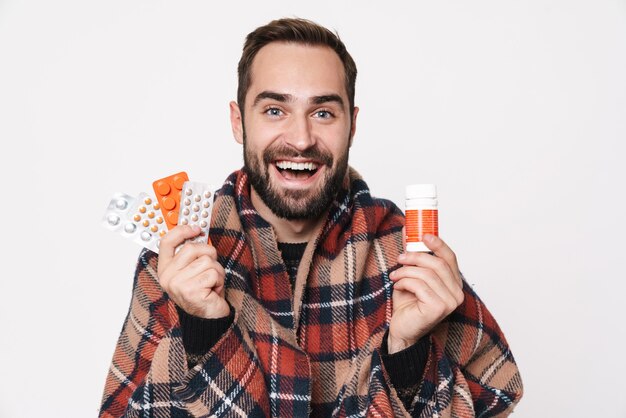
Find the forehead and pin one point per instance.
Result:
(300, 70)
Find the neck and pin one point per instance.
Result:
(298, 230)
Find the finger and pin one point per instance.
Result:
(191, 259)
(426, 260)
(211, 280)
(441, 249)
(191, 291)
(199, 265)
(191, 252)
(173, 239)
(195, 291)
(449, 296)
(439, 266)
(219, 284)
(190, 284)
(205, 263)
(174, 285)
(424, 294)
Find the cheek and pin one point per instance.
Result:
(260, 137)
(338, 146)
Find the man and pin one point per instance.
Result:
(304, 303)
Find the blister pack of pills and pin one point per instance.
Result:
(168, 191)
(138, 219)
(145, 219)
(195, 208)
(146, 215)
(115, 217)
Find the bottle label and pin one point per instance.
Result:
(420, 222)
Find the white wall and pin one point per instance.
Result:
(516, 109)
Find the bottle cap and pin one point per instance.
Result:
(421, 191)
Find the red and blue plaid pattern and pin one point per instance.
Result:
(313, 350)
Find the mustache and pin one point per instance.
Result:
(283, 152)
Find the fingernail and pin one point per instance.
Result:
(392, 274)
(428, 238)
(401, 257)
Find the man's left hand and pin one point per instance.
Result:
(426, 289)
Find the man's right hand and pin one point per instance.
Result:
(193, 278)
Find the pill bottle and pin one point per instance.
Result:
(421, 215)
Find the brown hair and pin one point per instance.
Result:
(300, 31)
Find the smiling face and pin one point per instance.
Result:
(296, 128)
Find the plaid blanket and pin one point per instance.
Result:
(313, 350)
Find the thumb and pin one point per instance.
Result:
(173, 239)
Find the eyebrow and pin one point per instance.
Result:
(327, 98)
(279, 97)
(285, 98)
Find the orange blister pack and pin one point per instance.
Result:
(168, 191)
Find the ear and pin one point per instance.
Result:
(236, 122)
(353, 127)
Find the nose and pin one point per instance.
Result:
(299, 133)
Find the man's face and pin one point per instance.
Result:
(296, 129)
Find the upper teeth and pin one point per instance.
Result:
(288, 165)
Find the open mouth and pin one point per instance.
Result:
(291, 170)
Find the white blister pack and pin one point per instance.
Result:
(195, 208)
(146, 215)
(116, 215)
(138, 219)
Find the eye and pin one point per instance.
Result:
(324, 114)
(273, 111)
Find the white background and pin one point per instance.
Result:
(515, 109)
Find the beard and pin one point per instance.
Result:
(295, 204)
